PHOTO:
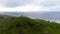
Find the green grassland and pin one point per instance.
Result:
(26, 25)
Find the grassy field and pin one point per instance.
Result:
(26, 25)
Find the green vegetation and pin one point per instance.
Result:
(26, 25)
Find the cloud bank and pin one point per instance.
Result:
(29, 5)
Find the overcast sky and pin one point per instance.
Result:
(29, 5)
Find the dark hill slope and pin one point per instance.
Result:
(25, 25)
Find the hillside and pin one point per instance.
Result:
(26, 25)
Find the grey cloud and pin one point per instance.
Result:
(14, 3)
(48, 3)
(56, 8)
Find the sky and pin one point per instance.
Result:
(29, 5)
